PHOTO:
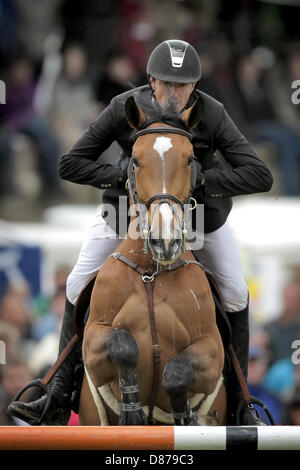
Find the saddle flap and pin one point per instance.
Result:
(221, 316)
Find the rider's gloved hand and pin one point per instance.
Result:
(123, 165)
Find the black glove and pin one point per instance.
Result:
(123, 165)
(198, 176)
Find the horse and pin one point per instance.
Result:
(152, 350)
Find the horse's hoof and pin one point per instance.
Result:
(193, 420)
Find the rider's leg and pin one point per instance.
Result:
(220, 257)
(62, 384)
(93, 254)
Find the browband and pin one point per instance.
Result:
(166, 130)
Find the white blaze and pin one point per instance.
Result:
(167, 215)
(161, 145)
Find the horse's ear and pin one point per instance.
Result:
(134, 115)
(192, 115)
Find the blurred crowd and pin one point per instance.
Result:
(29, 330)
(63, 64)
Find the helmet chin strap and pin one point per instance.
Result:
(191, 100)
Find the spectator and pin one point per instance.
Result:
(292, 67)
(13, 376)
(280, 377)
(257, 103)
(51, 322)
(291, 399)
(7, 185)
(284, 330)
(258, 366)
(8, 28)
(19, 116)
(44, 354)
(281, 79)
(42, 303)
(119, 76)
(14, 311)
(293, 410)
(73, 105)
(11, 337)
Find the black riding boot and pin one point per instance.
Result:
(239, 322)
(62, 384)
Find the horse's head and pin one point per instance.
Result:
(161, 175)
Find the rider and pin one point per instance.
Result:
(173, 70)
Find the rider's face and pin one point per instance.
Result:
(179, 92)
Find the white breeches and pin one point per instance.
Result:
(219, 256)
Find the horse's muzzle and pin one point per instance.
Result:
(165, 251)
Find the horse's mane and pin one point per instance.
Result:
(155, 113)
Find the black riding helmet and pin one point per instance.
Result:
(174, 61)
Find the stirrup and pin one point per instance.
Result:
(249, 404)
(46, 388)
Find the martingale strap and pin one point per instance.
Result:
(148, 277)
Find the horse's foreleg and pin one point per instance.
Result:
(197, 369)
(123, 352)
(177, 378)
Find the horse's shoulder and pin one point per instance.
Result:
(111, 270)
(194, 277)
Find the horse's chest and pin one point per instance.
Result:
(178, 299)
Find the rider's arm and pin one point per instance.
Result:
(82, 164)
(246, 174)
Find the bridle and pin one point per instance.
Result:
(160, 197)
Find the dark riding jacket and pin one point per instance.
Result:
(230, 165)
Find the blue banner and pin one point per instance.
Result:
(19, 263)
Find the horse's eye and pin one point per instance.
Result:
(135, 163)
(190, 160)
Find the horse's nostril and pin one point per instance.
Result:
(165, 249)
(156, 242)
(174, 243)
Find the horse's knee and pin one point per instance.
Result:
(122, 348)
(207, 373)
(94, 346)
(177, 376)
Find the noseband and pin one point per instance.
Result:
(161, 198)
